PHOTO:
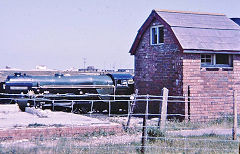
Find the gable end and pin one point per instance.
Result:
(145, 26)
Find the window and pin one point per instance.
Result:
(157, 35)
(222, 59)
(121, 82)
(206, 59)
(216, 60)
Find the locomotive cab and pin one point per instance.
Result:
(123, 83)
(2, 87)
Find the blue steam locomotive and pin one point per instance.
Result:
(40, 91)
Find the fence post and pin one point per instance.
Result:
(189, 103)
(72, 105)
(131, 108)
(234, 130)
(109, 108)
(144, 128)
(129, 115)
(91, 109)
(53, 105)
(34, 101)
(163, 109)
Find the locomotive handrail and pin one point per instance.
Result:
(87, 94)
(42, 96)
(75, 86)
(2, 94)
(86, 100)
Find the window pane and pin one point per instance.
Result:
(154, 36)
(208, 56)
(160, 34)
(208, 60)
(222, 59)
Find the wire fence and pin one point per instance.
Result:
(184, 124)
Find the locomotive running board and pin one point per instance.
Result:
(75, 86)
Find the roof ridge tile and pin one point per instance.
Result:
(189, 12)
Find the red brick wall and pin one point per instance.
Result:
(47, 132)
(212, 89)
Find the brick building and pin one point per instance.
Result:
(188, 51)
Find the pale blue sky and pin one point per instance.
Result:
(60, 33)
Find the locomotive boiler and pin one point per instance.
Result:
(41, 91)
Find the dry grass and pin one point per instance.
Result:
(130, 141)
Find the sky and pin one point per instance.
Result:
(62, 33)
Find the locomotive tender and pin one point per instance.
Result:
(40, 91)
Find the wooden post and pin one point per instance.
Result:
(163, 116)
(189, 103)
(91, 109)
(132, 106)
(34, 102)
(160, 110)
(129, 115)
(234, 130)
(53, 105)
(72, 105)
(144, 128)
(109, 108)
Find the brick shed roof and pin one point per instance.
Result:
(196, 31)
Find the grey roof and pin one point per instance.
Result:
(200, 31)
(120, 76)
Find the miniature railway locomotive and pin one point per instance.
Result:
(57, 91)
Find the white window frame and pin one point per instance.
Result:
(205, 64)
(214, 64)
(151, 37)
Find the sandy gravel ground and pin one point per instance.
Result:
(12, 117)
